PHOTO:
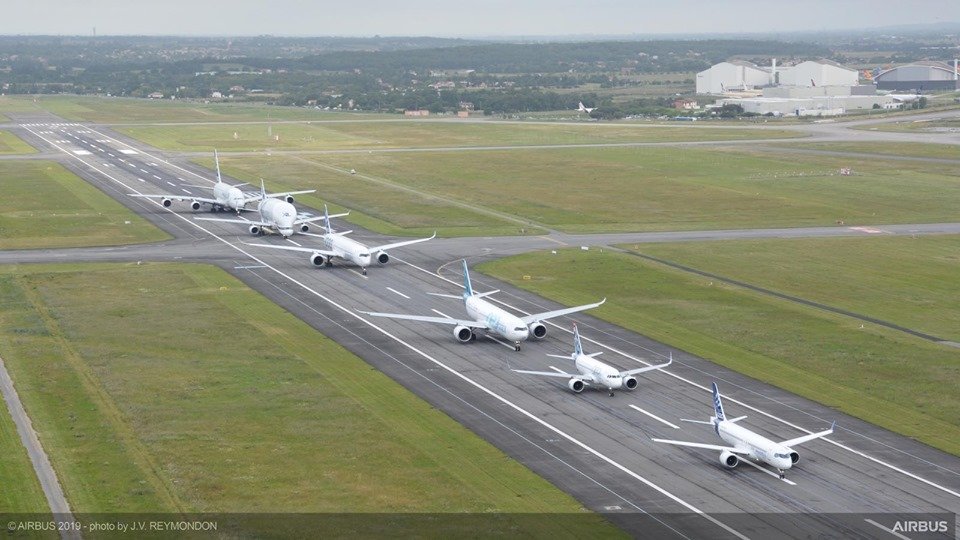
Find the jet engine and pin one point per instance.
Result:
(317, 259)
(576, 385)
(289, 199)
(166, 203)
(195, 205)
(255, 230)
(304, 228)
(538, 330)
(794, 457)
(382, 257)
(729, 459)
(629, 383)
(463, 334)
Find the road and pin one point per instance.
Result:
(593, 446)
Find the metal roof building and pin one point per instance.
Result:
(919, 76)
(733, 75)
(818, 73)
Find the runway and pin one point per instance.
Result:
(593, 446)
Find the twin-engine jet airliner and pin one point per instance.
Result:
(489, 317)
(587, 110)
(277, 216)
(337, 245)
(225, 196)
(746, 443)
(594, 372)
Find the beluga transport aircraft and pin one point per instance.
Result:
(746, 443)
(275, 216)
(594, 372)
(225, 196)
(489, 317)
(337, 245)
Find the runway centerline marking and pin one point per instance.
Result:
(394, 291)
(655, 417)
(764, 469)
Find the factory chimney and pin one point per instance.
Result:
(954, 69)
(773, 72)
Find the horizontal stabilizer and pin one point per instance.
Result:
(427, 318)
(696, 421)
(442, 295)
(737, 419)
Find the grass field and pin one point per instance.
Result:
(627, 189)
(131, 110)
(174, 387)
(922, 150)
(11, 144)
(911, 282)
(902, 383)
(422, 133)
(20, 491)
(45, 206)
(913, 126)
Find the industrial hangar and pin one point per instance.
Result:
(919, 77)
(817, 87)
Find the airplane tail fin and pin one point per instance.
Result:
(326, 219)
(717, 404)
(467, 289)
(263, 191)
(216, 159)
(577, 347)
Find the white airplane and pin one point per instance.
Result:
(746, 443)
(276, 215)
(587, 110)
(594, 372)
(489, 317)
(339, 246)
(224, 195)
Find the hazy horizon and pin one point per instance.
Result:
(490, 20)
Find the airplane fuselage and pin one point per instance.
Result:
(228, 196)
(600, 374)
(352, 250)
(498, 321)
(279, 214)
(758, 447)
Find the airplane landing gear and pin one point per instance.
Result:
(364, 271)
(611, 393)
(516, 346)
(782, 474)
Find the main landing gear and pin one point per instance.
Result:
(516, 346)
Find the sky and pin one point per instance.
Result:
(472, 18)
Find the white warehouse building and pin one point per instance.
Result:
(738, 75)
(733, 75)
(817, 73)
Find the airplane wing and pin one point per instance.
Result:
(702, 445)
(295, 248)
(243, 221)
(176, 198)
(318, 218)
(427, 318)
(558, 313)
(401, 244)
(648, 368)
(812, 436)
(552, 374)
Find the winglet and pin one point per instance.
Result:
(216, 159)
(833, 425)
(577, 347)
(717, 404)
(467, 289)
